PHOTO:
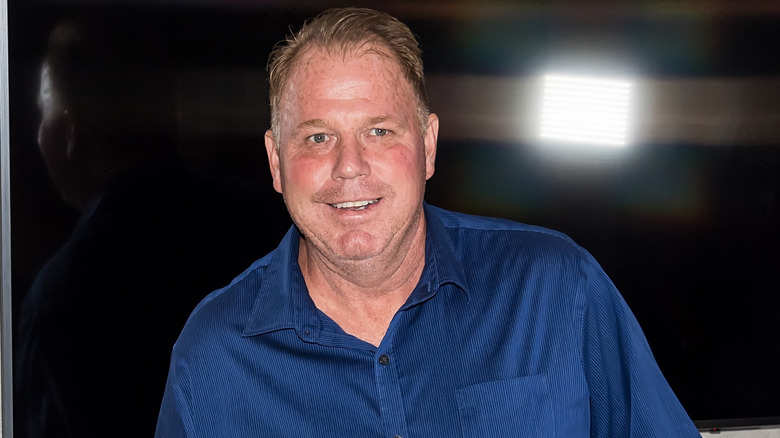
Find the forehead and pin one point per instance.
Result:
(47, 94)
(318, 67)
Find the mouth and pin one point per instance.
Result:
(354, 205)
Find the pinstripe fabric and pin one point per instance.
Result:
(512, 331)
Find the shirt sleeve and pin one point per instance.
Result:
(629, 395)
(174, 419)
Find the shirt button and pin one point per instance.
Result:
(384, 360)
(398, 436)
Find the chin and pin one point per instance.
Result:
(357, 251)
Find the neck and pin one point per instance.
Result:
(362, 297)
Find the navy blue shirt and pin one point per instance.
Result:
(512, 330)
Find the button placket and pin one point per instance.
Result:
(389, 391)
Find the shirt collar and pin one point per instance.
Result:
(283, 301)
(441, 264)
(282, 297)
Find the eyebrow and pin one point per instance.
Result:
(378, 119)
(313, 123)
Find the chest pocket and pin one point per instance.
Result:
(519, 407)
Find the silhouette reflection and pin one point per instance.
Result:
(96, 328)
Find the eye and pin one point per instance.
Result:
(318, 138)
(379, 132)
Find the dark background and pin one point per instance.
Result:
(687, 226)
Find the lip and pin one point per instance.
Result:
(358, 205)
(363, 207)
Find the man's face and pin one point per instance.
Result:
(352, 159)
(53, 133)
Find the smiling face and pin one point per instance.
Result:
(351, 157)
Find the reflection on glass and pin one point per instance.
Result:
(96, 328)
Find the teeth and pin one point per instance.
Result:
(355, 204)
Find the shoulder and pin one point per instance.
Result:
(502, 237)
(224, 311)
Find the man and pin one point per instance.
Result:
(96, 328)
(379, 315)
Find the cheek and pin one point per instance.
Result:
(403, 164)
(301, 172)
(46, 139)
(41, 137)
(51, 137)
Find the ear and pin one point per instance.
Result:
(272, 150)
(431, 137)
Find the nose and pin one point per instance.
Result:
(351, 160)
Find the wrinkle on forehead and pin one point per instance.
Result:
(311, 53)
(340, 87)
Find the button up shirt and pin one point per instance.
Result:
(512, 330)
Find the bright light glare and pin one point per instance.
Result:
(586, 110)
